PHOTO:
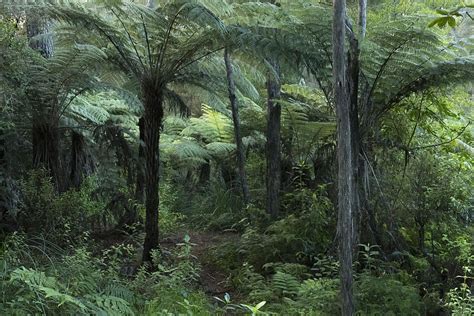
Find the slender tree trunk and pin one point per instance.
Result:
(362, 18)
(346, 183)
(78, 159)
(3, 176)
(153, 102)
(360, 136)
(273, 147)
(124, 154)
(205, 173)
(140, 185)
(150, 4)
(353, 86)
(236, 121)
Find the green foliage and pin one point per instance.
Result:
(386, 295)
(72, 285)
(316, 297)
(61, 217)
(295, 237)
(460, 300)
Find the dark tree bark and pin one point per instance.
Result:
(237, 133)
(140, 185)
(3, 161)
(205, 173)
(153, 102)
(78, 159)
(3, 184)
(346, 183)
(45, 133)
(353, 71)
(39, 26)
(273, 147)
(45, 139)
(123, 153)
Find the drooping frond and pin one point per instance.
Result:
(402, 57)
(212, 126)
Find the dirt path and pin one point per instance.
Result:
(213, 281)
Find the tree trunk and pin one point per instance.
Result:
(205, 173)
(123, 154)
(140, 185)
(45, 134)
(45, 140)
(78, 159)
(273, 148)
(353, 86)
(362, 18)
(38, 26)
(3, 175)
(346, 183)
(153, 102)
(237, 134)
(150, 4)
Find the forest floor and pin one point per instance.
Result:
(213, 280)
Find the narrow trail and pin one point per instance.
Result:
(213, 281)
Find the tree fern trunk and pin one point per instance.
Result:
(3, 176)
(140, 180)
(39, 26)
(78, 159)
(153, 102)
(237, 134)
(45, 139)
(346, 183)
(273, 147)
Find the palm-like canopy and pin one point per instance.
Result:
(160, 49)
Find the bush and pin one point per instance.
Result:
(316, 297)
(386, 295)
(71, 284)
(60, 218)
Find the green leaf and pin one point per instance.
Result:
(451, 21)
(260, 305)
(442, 22)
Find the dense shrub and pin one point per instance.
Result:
(58, 217)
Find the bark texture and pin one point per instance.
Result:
(45, 140)
(346, 183)
(237, 133)
(273, 146)
(153, 102)
(362, 18)
(81, 164)
(140, 184)
(78, 159)
(353, 71)
(36, 26)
